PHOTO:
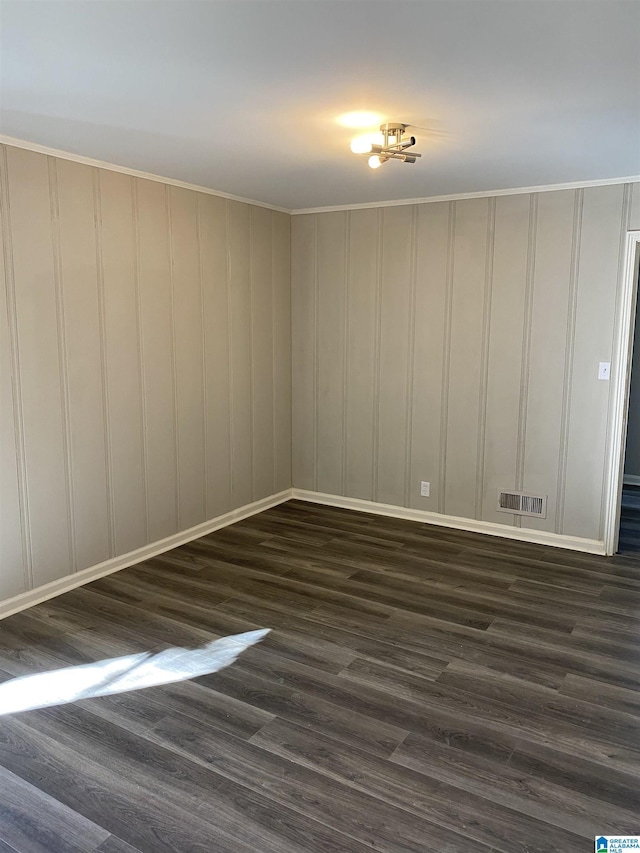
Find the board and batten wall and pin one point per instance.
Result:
(458, 342)
(145, 363)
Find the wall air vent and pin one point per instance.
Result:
(519, 503)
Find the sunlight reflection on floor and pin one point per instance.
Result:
(121, 675)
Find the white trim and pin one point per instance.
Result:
(108, 567)
(125, 170)
(631, 480)
(523, 534)
(136, 173)
(69, 582)
(545, 188)
(620, 373)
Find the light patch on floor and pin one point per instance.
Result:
(121, 675)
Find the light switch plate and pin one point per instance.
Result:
(604, 370)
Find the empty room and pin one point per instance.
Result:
(319, 426)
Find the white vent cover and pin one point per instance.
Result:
(520, 503)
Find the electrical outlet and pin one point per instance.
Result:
(425, 488)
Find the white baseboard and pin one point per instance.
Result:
(69, 582)
(524, 534)
(631, 480)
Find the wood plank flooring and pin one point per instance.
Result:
(630, 520)
(421, 689)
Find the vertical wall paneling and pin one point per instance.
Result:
(360, 352)
(13, 578)
(83, 361)
(63, 361)
(549, 324)
(217, 391)
(346, 332)
(262, 350)
(489, 357)
(316, 357)
(303, 329)
(602, 224)
(526, 346)
(145, 374)
(37, 341)
(446, 361)
(140, 341)
(104, 379)
(239, 242)
(188, 335)
(466, 348)
(122, 359)
(149, 378)
(484, 360)
(429, 322)
(331, 250)
(411, 334)
(394, 354)
(281, 282)
(569, 357)
(379, 248)
(526, 349)
(173, 350)
(14, 565)
(158, 358)
(505, 356)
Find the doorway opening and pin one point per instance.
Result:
(629, 532)
(620, 407)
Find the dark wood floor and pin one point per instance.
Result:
(422, 689)
(629, 541)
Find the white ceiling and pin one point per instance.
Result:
(243, 97)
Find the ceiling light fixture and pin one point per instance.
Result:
(393, 145)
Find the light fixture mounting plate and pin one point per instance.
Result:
(390, 127)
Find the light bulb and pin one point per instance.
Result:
(360, 118)
(375, 161)
(361, 145)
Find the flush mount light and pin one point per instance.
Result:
(392, 147)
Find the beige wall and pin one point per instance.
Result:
(145, 363)
(459, 342)
(146, 373)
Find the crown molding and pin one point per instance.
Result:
(545, 188)
(135, 173)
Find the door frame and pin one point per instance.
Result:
(621, 380)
